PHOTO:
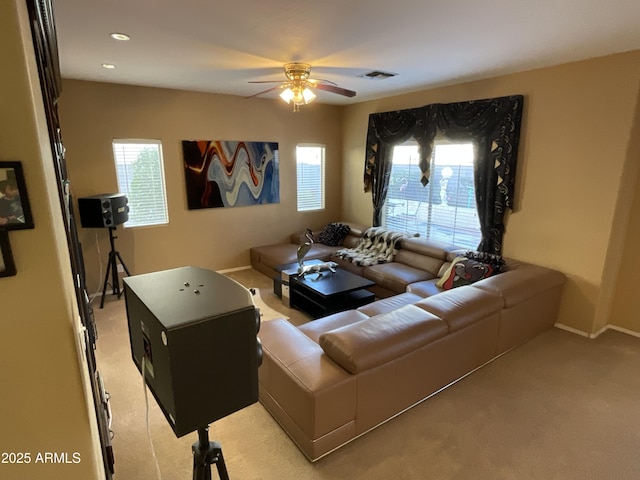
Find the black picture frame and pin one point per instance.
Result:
(11, 174)
(7, 266)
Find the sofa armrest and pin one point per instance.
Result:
(369, 343)
(316, 394)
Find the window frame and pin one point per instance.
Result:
(119, 143)
(426, 206)
(301, 206)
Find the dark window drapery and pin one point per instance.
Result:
(385, 131)
(492, 124)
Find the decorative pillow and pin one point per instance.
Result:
(465, 271)
(496, 261)
(334, 234)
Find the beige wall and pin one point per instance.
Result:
(625, 305)
(575, 138)
(43, 379)
(93, 114)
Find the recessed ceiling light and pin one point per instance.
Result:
(120, 36)
(108, 66)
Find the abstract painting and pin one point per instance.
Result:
(230, 173)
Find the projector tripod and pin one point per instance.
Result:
(204, 454)
(112, 267)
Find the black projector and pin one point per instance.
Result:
(197, 331)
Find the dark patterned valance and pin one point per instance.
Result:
(387, 130)
(492, 124)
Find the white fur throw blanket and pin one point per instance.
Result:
(377, 245)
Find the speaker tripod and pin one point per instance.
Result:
(112, 267)
(204, 454)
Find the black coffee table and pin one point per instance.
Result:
(277, 282)
(329, 293)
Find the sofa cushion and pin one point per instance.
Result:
(396, 276)
(462, 306)
(388, 304)
(348, 266)
(370, 343)
(314, 329)
(428, 247)
(426, 288)
(333, 234)
(425, 254)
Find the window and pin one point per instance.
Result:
(444, 210)
(310, 177)
(140, 173)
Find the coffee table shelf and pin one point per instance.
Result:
(330, 293)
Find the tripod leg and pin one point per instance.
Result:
(123, 264)
(104, 286)
(117, 255)
(222, 468)
(115, 280)
(201, 469)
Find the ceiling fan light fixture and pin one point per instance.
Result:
(308, 95)
(287, 95)
(298, 95)
(298, 99)
(299, 88)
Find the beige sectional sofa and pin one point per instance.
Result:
(333, 379)
(267, 258)
(418, 260)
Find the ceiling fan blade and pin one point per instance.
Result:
(264, 91)
(266, 81)
(317, 81)
(335, 89)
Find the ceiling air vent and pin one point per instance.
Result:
(378, 75)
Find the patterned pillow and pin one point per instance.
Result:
(334, 234)
(496, 261)
(465, 271)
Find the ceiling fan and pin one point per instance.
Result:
(298, 88)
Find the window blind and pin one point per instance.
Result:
(140, 174)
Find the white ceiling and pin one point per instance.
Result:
(216, 46)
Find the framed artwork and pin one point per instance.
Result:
(15, 211)
(230, 173)
(7, 267)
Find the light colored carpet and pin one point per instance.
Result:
(559, 407)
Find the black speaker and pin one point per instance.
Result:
(104, 210)
(197, 332)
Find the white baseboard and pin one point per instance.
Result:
(571, 330)
(623, 330)
(95, 295)
(599, 332)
